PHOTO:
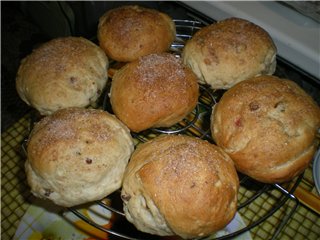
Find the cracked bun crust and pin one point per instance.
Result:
(129, 32)
(156, 90)
(268, 127)
(227, 52)
(77, 155)
(180, 185)
(61, 73)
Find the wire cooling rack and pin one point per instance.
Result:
(252, 194)
(289, 219)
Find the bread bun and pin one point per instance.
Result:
(77, 155)
(268, 126)
(129, 32)
(61, 73)
(156, 90)
(180, 185)
(227, 52)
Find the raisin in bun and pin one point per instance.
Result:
(180, 185)
(64, 72)
(77, 155)
(227, 52)
(268, 126)
(156, 90)
(129, 32)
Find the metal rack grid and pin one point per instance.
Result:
(16, 197)
(251, 192)
(296, 220)
(198, 124)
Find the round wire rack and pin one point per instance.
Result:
(197, 124)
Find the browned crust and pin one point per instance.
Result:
(154, 91)
(229, 51)
(268, 126)
(193, 183)
(129, 32)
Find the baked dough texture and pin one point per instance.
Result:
(156, 90)
(180, 185)
(77, 155)
(268, 126)
(227, 52)
(64, 72)
(129, 32)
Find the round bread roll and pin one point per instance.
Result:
(129, 32)
(156, 90)
(77, 155)
(268, 127)
(180, 185)
(227, 52)
(64, 72)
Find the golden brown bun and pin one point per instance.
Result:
(129, 32)
(180, 185)
(227, 52)
(77, 155)
(268, 126)
(61, 73)
(156, 90)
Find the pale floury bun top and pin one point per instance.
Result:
(77, 155)
(64, 72)
(227, 52)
